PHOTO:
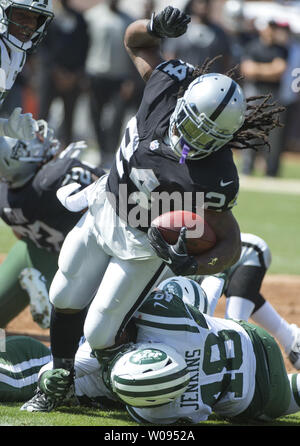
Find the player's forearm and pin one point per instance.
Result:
(137, 36)
(271, 72)
(227, 250)
(223, 255)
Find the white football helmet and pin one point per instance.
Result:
(20, 160)
(188, 290)
(207, 116)
(152, 374)
(42, 7)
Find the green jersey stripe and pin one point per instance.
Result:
(165, 326)
(18, 383)
(23, 374)
(21, 366)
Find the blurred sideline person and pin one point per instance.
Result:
(181, 364)
(203, 39)
(110, 73)
(23, 25)
(30, 174)
(263, 65)
(62, 66)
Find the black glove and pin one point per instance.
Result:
(171, 22)
(175, 256)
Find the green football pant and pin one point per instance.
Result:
(24, 254)
(272, 388)
(19, 366)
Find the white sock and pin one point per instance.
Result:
(294, 406)
(238, 308)
(270, 320)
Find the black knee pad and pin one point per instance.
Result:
(246, 282)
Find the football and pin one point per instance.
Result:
(199, 236)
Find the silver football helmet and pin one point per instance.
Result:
(20, 160)
(207, 116)
(188, 290)
(42, 7)
(152, 374)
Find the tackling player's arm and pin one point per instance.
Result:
(143, 37)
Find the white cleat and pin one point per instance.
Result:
(32, 281)
(39, 403)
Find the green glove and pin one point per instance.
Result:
(56, 383)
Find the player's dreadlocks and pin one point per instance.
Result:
(262, 116)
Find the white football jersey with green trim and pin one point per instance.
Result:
(218, 353)
(11, 64)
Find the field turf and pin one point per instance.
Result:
(273, 216)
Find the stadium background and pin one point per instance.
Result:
(267, 207)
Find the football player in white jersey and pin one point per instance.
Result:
(23, 24)
(183, 365)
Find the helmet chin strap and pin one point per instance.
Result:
(185, 151)
(15, 44)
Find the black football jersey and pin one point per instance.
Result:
(146, 171)
(35, 212)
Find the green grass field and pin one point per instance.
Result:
(274, 217)
(10, 415)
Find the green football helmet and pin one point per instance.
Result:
(150, 374)
(42, 7)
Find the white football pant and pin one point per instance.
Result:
(114, 287)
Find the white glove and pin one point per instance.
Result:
(73, 149)
(74, 203)
(19, 126)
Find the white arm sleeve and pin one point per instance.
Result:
(76, 202)
(213, 287)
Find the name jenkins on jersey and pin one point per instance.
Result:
(34, 211)
(145, 168)
(219, 355)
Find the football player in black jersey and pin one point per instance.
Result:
(174, 146)
(30, 173)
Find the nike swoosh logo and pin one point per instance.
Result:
(168, 261)
(161, 305)
(223, 184)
